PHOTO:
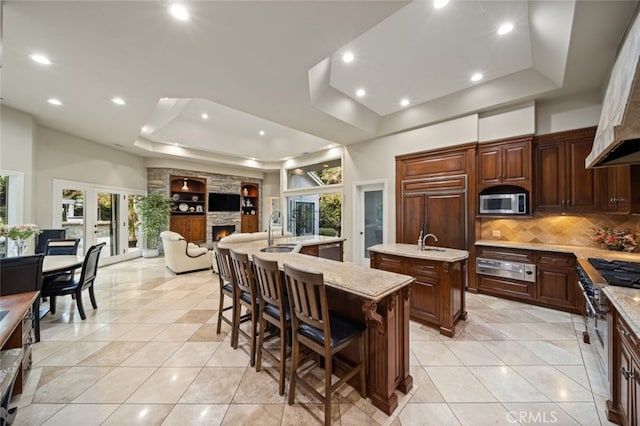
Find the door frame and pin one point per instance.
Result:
(359, 188)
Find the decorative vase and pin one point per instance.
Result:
(21, 247)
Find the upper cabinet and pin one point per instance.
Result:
(507, 162)
(562, 183)
(620, 189)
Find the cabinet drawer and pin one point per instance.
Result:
(557, 260)
(387, 263)
(627, 336)
(436, 184)
(504, 287)
(423, 272)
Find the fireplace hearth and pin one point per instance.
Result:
(220, 231)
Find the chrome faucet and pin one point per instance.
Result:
(269, 237)
(424, 240)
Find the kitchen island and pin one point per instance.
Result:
(378, 298)
(438, 295)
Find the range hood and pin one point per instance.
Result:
(617, 138)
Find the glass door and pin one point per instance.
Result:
(72, 214)
(369, 220)
(106, 227)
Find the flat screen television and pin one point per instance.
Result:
(219, 202)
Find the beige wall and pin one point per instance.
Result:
(17, 142)
(62, 156)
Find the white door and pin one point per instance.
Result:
(369, 218)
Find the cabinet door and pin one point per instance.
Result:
(636, 391)
(626, 383)
(582, 184)
(197, 229)
(425, 302)
(550, 177)
(180, 224)
(249, 223)
(516, 160)
(489, 165)
(555, 287)
(413, 216)
(446, 219)
(617, 193)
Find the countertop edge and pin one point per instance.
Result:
(410, 250)
(617, 296)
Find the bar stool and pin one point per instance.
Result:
(247, 297)
(227, 289)
(274, 309)
(324, 332)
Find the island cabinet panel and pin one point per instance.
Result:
(437, 295)
(624, 371)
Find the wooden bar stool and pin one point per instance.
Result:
(227, 279)
(247, 297)
(324, 332)
(274, 309)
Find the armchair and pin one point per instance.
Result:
(181, 256)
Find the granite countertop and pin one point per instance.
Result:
(578, 251)
(411, 250)
(627, 303)
(369, 283)
(307, 240)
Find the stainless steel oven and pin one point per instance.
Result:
(505, 269)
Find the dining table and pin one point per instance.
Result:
(52, 265)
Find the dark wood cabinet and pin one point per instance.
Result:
(624, 371)
(249, 209)
(562, 183)
(620, 190)
(437, 295)
(188, 216)
(507, 162)
(333, 250)
(556, 280)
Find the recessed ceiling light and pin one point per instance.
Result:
(118, 101)
(404, 102)
(205, 116)
(439, 4)
(144, 129)
(360, 93)
(347, 57)
(41, 59)
(54, 101)
(261, 132)
(179, 12)
(476, 77)
(505, 28)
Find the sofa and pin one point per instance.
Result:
(235, 239)
(181, 256)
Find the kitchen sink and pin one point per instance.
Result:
(278, 249)
(432, 249)
(3, 314)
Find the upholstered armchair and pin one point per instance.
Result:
(181, 256)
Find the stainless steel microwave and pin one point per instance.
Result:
(503, 203)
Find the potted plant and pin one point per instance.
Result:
(154, 211)
(133, 222)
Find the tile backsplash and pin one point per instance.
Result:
(575, 230)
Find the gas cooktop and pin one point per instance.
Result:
(618, 272)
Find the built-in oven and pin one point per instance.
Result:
(506, 269)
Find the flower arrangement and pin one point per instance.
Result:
(612, 239)
(20, 233)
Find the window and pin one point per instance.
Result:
(4, 197)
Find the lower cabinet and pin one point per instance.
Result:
(437, 295)
(624, 371)
(333, 250)
(556, 279)
(22, 335)
(191, 227)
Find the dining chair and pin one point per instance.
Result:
(274, 309)
(247, 298)
(76, 286)
(226, 279)
(324, 332)
(22, 274)
(56, 247)
(46, 235)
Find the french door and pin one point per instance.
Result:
(369, 218)
(97, 214)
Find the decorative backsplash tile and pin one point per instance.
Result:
(575, 230)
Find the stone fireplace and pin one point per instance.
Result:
(220, 231)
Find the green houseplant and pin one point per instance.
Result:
(154, 211)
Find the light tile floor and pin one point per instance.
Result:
(150, 355)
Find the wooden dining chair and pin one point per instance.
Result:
(325, 332)
(76, 286)
(60, 247)
(273, 309)
(247, 298)
(22, 274)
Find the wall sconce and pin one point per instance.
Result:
(185, 187)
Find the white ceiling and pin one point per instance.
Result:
(276, 67)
